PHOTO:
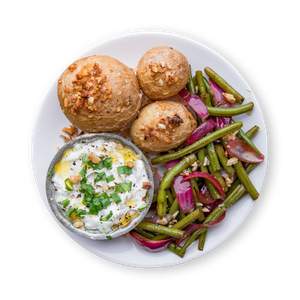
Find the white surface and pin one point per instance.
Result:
(260, 261)
(51, 120)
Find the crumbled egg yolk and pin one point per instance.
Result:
(128, 155)
(130, 203)
(62, 168)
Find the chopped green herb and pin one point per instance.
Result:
(123, 187)
(85, 158)
(99, 177)
(74, 213)
(87, 188)
(65, 203)
(51, 173)
(142, 208)
(87, 200)
(97, 166)
(107, 162)
(105, 202)
(109, 237)
(68, 184)
(83, 172)
(110, 178)
(107, 217)
(124, 170)
(116, 198)
(95, 206)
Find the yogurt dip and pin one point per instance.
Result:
(101, 185)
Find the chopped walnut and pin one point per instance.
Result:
(194, 166)
(89, 86)
(130, 164)
(72, 67)
(93, 158)
(69, 133)
(146, 185)
(75, 178)
(229, 98)
(232, 161)
(71, 130)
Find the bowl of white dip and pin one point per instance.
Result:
(100, 186)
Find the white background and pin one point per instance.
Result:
(38, 260)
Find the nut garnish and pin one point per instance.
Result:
(90, 86)
(93, 158)
(229, 98)
(146, 185)
(69, 133)
(75, 178)
(232, 161)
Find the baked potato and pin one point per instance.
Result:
(99, 93)
(162, 125)
(162, 72)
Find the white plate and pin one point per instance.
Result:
(129, 49)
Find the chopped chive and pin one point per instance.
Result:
(107, 217)
(124, 170)
(110, 178)
(65, 203)
(116, 198)
(68, 185)
(107, 162)
(123, 187)
(99, 177)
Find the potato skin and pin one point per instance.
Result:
(162, 72)
(99, 93)
(162, 125)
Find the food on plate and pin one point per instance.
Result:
(162, 72)
(101, 185)
(99, 93)
(204, 156)
(203, 178)
(162, 125)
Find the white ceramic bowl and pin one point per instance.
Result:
(61, 215)
(129, 48)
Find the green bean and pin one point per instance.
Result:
(252, 131)
(168, 179)
(195, 189)
(156, 228)
(219, 177)
(177, 250)
(226, 87)
(213, 158)
(203, 93)
(230, 111)
(174, 207)
(249, 168)
(190, 84)
(230, 200)
(199, 144)
(213, 192)
(201, 241)
(245, 180)
(223, 160)
(196, 215)
(144, 233)
(195, 84)
(169, 197)
(189, 241)
(250, 134)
